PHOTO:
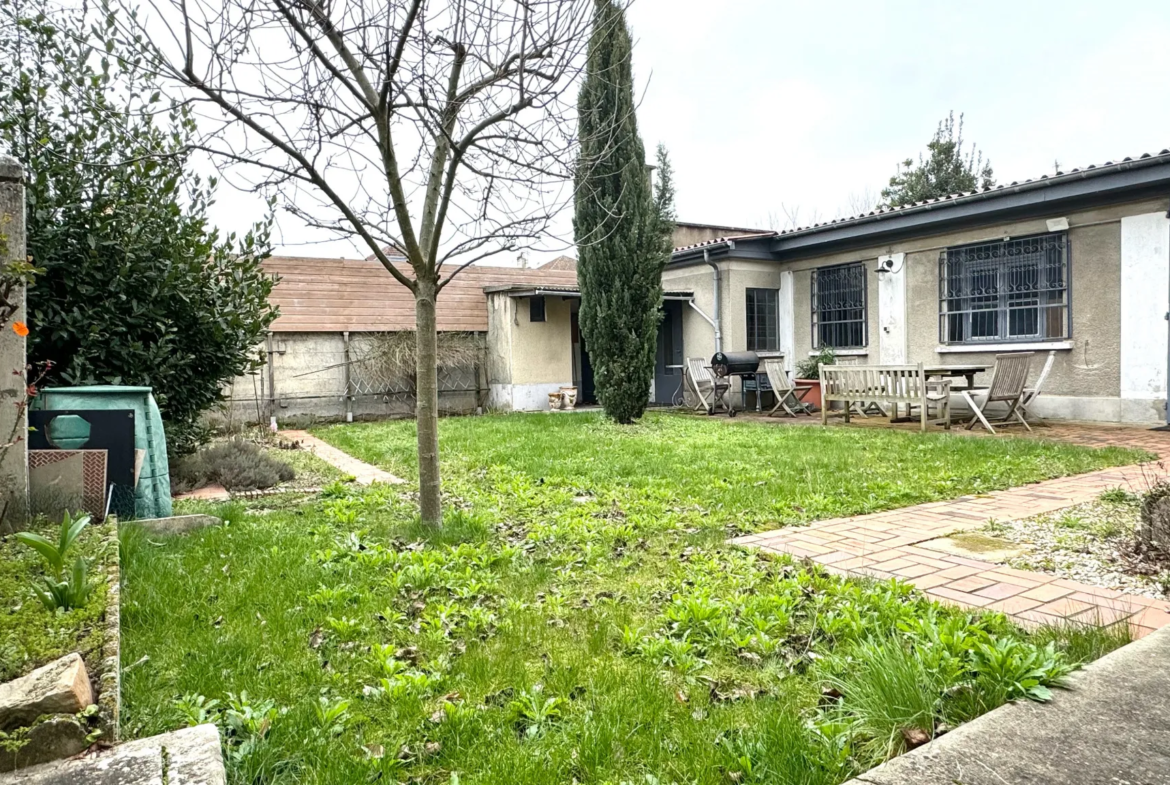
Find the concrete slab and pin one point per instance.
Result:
(178, 524)
(1111, 726)
(190, 756)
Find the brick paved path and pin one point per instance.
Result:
(364, 473)
(888, 544)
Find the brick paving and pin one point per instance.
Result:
(364, 473)
(892, 544)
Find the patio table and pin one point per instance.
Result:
(967, 371)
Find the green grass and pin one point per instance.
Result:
(31, 635)
(579, 617)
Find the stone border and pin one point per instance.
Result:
(110, 680)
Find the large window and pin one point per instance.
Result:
(763, 320)
(838, 306)
(1007, 290)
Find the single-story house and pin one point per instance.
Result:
(1077, 263)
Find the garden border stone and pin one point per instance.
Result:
(1110, 725)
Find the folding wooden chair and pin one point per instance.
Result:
(710, 392)
(1008, 378)
(1030, 393)
(789, 396)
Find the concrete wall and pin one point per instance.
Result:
(13, 418)
(527, 360)
(1112, 368)
(308, 378)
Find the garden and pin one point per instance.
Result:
(579, 616)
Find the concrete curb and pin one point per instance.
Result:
(1109, 726)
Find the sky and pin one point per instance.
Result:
(777, 111)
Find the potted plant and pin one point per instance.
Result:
(808, 373)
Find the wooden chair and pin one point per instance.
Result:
(710, 392)
(788, 395)
(1008, 378)
(1030, 393)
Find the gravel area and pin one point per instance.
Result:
(1091, 543)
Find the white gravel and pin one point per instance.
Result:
(1091, 543)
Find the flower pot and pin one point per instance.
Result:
(569, 396)
(813, 396)
(555, 399)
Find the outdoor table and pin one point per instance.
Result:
(677, 399)
(966, 371)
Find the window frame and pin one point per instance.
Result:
(818, 320)
(537, 309)
(770, 310)
(1047, 303)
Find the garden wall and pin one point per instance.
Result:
(332, 376)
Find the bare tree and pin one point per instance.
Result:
(442, 128)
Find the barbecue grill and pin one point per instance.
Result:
(745, 365)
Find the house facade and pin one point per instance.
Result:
(1077, 263)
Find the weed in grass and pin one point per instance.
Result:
(1084, 641)
(1119, 495)
(580, 556)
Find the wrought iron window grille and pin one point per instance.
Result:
(839, 307)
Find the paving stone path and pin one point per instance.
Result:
(890, 544)
(364, 473)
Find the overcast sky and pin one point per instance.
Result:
(768, 105)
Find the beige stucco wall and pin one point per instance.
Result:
(1088, 371)
(526, 359)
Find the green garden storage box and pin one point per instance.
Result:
(152, 498)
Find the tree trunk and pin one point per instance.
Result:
(427, 409)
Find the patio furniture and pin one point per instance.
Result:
(788, 396)
(1030, 393)
(1008, 378)
(966, 371)
(891, 384)
(710, 391)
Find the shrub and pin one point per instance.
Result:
(811, 368)
(237, 465)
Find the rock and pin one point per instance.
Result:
(52, 739)
(61, 687)
(190, 756)
(178, 524)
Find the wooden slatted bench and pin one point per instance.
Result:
(889, 384)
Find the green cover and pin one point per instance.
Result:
(152, 498)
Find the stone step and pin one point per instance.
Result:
(190, 756)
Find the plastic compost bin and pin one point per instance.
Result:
(152, 497)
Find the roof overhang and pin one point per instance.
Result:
(565, 291)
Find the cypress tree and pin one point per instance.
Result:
(622, 240)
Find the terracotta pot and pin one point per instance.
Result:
(813, 396)
(569, 396)
(555, 400)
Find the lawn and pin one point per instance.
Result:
(579, 617)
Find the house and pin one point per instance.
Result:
(1077, 263)
(340, 348)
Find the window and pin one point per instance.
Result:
(536, 309)
(838, 307)
(1007, 290)
(763, 320)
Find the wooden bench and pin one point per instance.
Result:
(891, 384)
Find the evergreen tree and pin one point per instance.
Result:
(946, 171)
(622, 234)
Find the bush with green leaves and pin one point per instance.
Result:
(136, 287)
(811, 368)
(236, 464)
(65, 586)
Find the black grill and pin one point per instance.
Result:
(735, 363)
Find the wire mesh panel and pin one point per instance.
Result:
(1008, 290)
(838, 306)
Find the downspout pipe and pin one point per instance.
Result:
(718, 321)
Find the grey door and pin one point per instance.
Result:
(668, 358)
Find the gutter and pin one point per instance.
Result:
(718, 320)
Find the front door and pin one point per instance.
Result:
(582, 370)
(668, 358)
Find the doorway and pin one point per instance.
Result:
(582, 370)
(668, 357)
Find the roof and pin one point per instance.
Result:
(360, 295)
(537, 290)
(560, 263)
(1129, 179)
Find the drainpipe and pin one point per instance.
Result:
(718, 322)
